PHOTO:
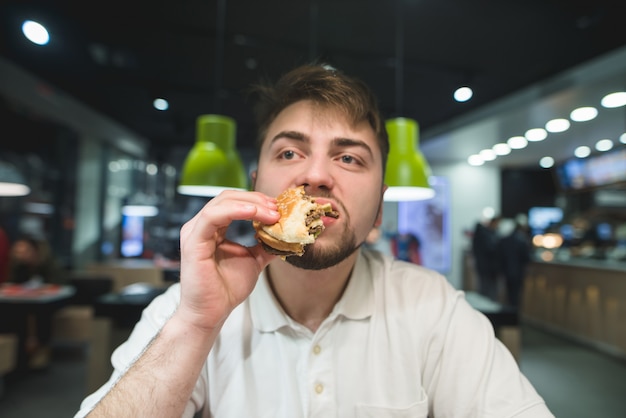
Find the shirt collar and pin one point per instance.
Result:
(356, 303)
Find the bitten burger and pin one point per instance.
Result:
(299, 225)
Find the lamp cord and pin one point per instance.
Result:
(399, 57)
(219, 50)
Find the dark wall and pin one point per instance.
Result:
(522, 189)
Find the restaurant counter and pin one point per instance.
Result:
(579, 298)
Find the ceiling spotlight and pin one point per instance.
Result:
(536, 134)
(35, 32)
(546, 162)
(622, 138)
(160, 104)
(557, 125)
(463, 94)
(604, 145)
(616, 99)
(487, 154)
(582, 151)
(583, 114)
(475, 160)
(501, 149)
(517, 142)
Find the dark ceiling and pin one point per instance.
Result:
(117, 56)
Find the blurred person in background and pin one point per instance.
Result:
(32, 265)
(485, 250)
(515, 250)
(31, 261)
(407, 247)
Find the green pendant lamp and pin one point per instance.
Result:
(213, 164)
(407, 174)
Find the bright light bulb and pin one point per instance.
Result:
(475, 160)
(152, 169)
(582, 151)
(616, 99)
(583, 114)
(501, 149)
(604, 145)
(536, 134)
(487, 155)
(557, 125)
(463, 94)
(546, 162)
(517, 142)
(160, 104)
(35, 32)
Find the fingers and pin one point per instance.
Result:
(227, 207)
(262, 257)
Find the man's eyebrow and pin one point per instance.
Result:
(338, 142)
(294, 135)
(349, 142)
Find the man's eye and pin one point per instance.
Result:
(347, 159)
(288, 155)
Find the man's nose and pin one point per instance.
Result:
(317, 174)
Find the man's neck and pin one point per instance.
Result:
(308, 296)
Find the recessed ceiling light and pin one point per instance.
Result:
(160, 104)
(546, 162)
(501, 149)
(604, 145)
(475, 160)
(463, 94)
(35, 32)
(622, 138)
(557, 125)
(517, 142)
(152, 169)
(487, 154)
(583, 114)
(536, 134)
(616, 99)
(582, 151)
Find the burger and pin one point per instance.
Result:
(299, 225)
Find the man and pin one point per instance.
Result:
(486, 256)
(515, 252)
(338, 332)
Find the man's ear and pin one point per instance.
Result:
(379, 217)
(253, 179)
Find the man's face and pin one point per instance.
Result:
(336, 162)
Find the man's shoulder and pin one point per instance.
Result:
(391, 272)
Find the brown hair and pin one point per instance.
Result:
(324, 86)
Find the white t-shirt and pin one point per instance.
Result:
(401, 342)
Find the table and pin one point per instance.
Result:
(14, 295)
(115, 316)
(499, 314)
(19, 302)
(505, 320)
(125, 309)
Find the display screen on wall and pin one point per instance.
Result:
(429, 222)
(540, 219)
(600, 170)
(132, 236)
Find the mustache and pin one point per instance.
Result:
(327, 194)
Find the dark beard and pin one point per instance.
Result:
(316, 258)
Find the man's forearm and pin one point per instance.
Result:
(160, 382)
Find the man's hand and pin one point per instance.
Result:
(217, 274)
